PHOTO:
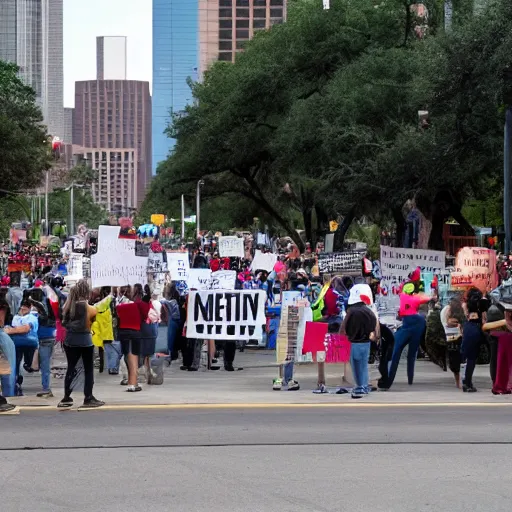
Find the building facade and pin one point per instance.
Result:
(116, 115)
(31, 35)
(175, 59)
(69, 114)
(111, 57)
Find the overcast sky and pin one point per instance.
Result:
(84, 20)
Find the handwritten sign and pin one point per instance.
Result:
(401, 262)
(205, 279)
(263, 261)
(223, 280)
(178, 265)
(231, 246)
(291, 334)
(115, 263)
(475, 267)
(348, 263)
(75, 266)
(156, 262)
(226, 315)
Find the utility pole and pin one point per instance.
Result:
(506, 178)
(182, 217)
(200, 183)
(71, 230)
(46, 189)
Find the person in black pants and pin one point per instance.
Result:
(229, 355)
(387, 343)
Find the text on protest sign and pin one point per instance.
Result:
(178, 265)
(75, 266)
(475, 266)
(115, 263)
(205, 279)
(349, 262)
(399, 262)
(231, 247)
(226, 315)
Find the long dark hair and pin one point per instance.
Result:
(171, 292)
(80, 293)
(138, 292)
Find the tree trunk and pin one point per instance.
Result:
(322, 222)
(307, 215)
(339, 234)
(399, 219)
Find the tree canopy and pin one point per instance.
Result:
(318, 117)
(24, 150)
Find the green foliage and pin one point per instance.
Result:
(83, 175)
(318, 118)
(24, 150)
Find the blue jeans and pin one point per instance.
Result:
(9, 351)
(114, 353)
(287, 372)
(411, 333)
(172, 332)
(45, 361)
(359, 354)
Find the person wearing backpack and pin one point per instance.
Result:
(47, 311)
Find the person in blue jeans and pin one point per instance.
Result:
(46, 335)
(7, 349)
(171, 312)
(360, 326)
(24, 335)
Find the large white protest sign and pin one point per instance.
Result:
(205, 279)
(115, 263)
(399, 262)
(156, 263)
(226, 315)
(231, 246)
(178, 265)
(263, 261)
(347, 263)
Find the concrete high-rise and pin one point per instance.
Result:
(111, 58)
(175, 59)
(116, 115)
(31, 35)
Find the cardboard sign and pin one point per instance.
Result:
(475, 267)
(226, 315)
(291, 334)
(263, 261)
(347, 263)
(178, 265)
(156, 262)
(401, 262)
(75, 266)
(231, 246)
(115, 263)
(205, 279)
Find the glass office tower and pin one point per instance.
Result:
(175, 58)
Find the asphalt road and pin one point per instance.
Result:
(396, 459)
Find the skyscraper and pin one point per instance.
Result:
(111, 58)
(175, 58)
(116, 115)
(31, 35)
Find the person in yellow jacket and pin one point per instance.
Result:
(102, 328)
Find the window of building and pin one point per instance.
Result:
(225, 13)
(225, 34)
(242, 13)
(259, 3)
(276, 13)
(225, 56)
(225, 23)
(242, 23)
(276, 2)
(242, 34)
(225, 45)
(259, 23)
(225, 3)
(242, 3)
(260, 13)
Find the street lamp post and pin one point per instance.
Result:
(72, 209)
(200, 183)
(182, 218)
(46, 189)
(507, 99)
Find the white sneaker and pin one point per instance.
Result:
(277, 385)
(293, 385)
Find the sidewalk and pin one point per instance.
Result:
(253, 387)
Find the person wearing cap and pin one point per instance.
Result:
(411, 332)
(360, 326)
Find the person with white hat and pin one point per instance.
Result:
(360, 326)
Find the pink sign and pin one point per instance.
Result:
(314, 337)
(475, 267)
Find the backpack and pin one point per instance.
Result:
(318, 306)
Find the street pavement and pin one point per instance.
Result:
(303, 459)
(253, 386)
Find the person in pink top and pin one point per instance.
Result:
(411, 333)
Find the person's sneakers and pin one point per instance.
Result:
(18, 391)
(133, 389)
(342, 391)
(6, 408)
(213, 368)
(184, 368)
(277, 385)
(45, 394)
(229, 367)
(357, 395)
(124, 382)
(28, 368)
(192, 369)
(293, 385)
(113, 372)
(92, 403)
(65, 403)
(321, 390)
(468, 389)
